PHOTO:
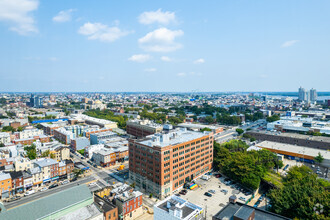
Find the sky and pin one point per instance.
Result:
(164, 46)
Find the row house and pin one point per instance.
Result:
(17, 182)
(65, 169)
(61, 153)
(27, 180)
(128, 201)
(49, 168)
(5, 185)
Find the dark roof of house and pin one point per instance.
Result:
(15, 174)
(244, 212)
(103, 204)
(231, 209)
(68, 161)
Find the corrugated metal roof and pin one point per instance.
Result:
(51, 204)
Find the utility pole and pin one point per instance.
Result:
(205, 211)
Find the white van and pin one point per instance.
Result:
(29, 193)
(205, 177)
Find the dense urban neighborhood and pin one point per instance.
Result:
(164, 156)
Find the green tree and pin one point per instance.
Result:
(239, 131)
(205, 129)
(8, 129)
(209, 119)
(82, 151)
(77, 172)
(319, 158)
(246, 167)
(45, 153)
(31, 152)
(301, 195)
(19, 129)
(273, 118)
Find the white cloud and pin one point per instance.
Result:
(54, 59)
(166, 59)
(263, 76)
(289, 43)
(199, 61)
(140, 58)
(17, 13)
(150, 70)
(63, 16)
(98, 31)
(181, 74)
(161, 40)
(150, 17)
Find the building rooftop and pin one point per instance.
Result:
(86, 212)
(43, 162)
(145, 122)
(175, 137)
(4, 134)
(294, 135)
(313, 152)
(4, 176)
(41, 208)
(177, 206)
(240, 210)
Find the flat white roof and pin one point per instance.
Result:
(175, 137)
(313, 152)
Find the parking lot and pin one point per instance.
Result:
(319, 170)
(218, 200)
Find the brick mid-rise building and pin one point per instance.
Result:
(162, 163)
(142, 128)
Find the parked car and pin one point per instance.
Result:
(205, 177)
(29, 192)
(13, 199)
(208, 194)
(178, 194)
(44, 189)
(183, 192)
(65, 182)
(53, 186)
(224, 191)
(242, 198)
(92, 184)
(212, 191)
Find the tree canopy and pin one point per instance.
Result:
(246, 167)
(31, 152)
(273, 118)
(319, 158)
(303, 196)
(108, 115)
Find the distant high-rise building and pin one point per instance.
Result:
(301, 94)
(307, 97)
(36, 101)
(313, 95)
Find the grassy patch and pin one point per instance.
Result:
(274, 179)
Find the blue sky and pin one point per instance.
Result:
(168, 45)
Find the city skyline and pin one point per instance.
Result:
(163, 47)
